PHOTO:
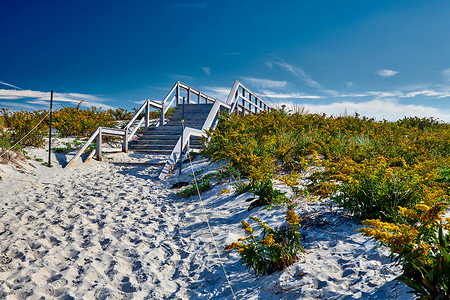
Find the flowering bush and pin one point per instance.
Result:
(369, 167)
(421, 245)
(272, 249)
(20, 123)
(77, 121)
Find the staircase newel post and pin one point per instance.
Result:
(162, 114)
(147, 115)
(99, 145)
(182, 136)
(125, 141)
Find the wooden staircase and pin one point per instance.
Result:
(173, 137)
(162, 139)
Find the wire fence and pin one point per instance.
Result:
(25, 136)
(209, 226)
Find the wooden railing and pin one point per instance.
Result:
(127, 133)
(178, 92)
(244, 101)
(240, 100)
(183, 142)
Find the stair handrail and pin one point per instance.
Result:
(174, 95)
(183, 140)
(254, 102)
(126, 133)
(231, 105)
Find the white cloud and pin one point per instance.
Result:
(446, 74)
(265, 83)
(297, 72)
(10, 85)
(270, 94)
(217, 92)
(349, 84)
(15, 105)
(37, 97)
(380, 109)
(386, 73)
(207, 70)
(390, 94)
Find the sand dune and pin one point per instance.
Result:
(111, 231)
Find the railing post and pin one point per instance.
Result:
(147, 115)
(182, 134)
(188, 96)
(99, 145)
(125, 141)
(178, 93)
(161, 122)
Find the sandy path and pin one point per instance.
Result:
(103, 232)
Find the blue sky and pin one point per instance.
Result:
(383, 59)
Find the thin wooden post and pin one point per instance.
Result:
(178, 93)
(162, 114)
(99, 145)
(125, 141)
(147, 115)
(50, 131)
(182, 135)
(188, 96)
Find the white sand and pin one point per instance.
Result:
(107, 231)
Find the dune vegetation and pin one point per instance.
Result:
(392, 176)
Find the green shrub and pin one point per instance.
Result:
(430, 279)
(267, 195)
(20, 123)
(420, 243)
(272, 249)
(203, 183)
(77, 121)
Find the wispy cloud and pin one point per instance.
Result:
(264, 83)
(389, 109)
(296, 71)
(43, 98)
(17, 105)
(207, 70)
(386, 73)
(446, 74)
(271, 94)
(220, 92)
(392, 94)
(349, 83)
(10, 85)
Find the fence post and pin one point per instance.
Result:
(99, 145)
(50, 131)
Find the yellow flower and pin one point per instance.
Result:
(233, 245)
(422, 207)
(246, 226)
(268, 240)
(292, 218)
(224, 191)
